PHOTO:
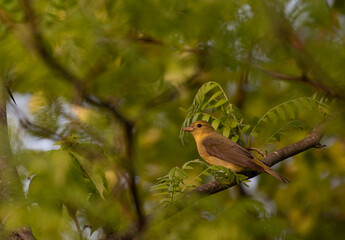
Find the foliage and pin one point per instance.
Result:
(173, 185)
(217, 109)
(228, 119)
(286, 116)
(98, 86)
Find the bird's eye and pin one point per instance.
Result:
(199, 125)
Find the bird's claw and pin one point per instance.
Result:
(258, 151)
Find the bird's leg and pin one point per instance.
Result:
(257, 150)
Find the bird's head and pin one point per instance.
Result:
(199, 129)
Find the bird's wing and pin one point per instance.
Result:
(225, 149)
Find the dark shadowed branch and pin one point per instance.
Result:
(306, 60)
(39, 45)
(306, 80)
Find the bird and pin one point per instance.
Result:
(217, 149)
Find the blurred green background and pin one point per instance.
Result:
(148, 59)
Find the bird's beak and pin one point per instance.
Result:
(188, 129)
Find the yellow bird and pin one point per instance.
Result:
(219, 150)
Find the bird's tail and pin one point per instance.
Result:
(276, 175)
(268, 170)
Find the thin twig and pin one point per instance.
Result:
(76, 222)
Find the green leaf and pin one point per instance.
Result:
(215, 123)
(290, 111)
(273, 117)
(213, 97)
(183, 109)
(195, 117)
(159, 187)
(206, 117)
(306, 103)
(172, 172)
(220, 102)
(245, 128)
(245, 184)
(188, 168)
(164, 200)
(94, 178)
(193, 161)
(277, 137)
(226, 131)
(216, 94)
(199, 98)
(215, 168)
(292, 108)
(160, 193)
(235, 138)
(281, 113)
(284, 129)
(233, 123)
(209, 86)
(265, 120)
(181, 173)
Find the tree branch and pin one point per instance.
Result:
(312, 140)
(303, 79)
(41, 48)
(305, 59)
(78, 83)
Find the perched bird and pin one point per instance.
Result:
(219, 150)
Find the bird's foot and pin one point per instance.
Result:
(258, 151)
